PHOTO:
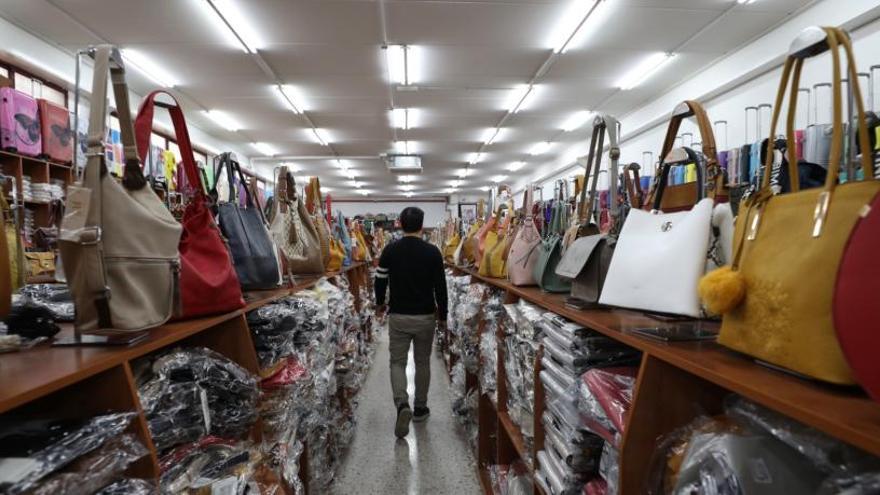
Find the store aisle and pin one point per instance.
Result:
(434, 458)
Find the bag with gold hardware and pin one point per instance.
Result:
(777, 297)
(660, 256)
(40, 263)
(293, 230)
(319, 219)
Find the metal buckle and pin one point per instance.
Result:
(820, 212)
(98, 233)
(753, 228)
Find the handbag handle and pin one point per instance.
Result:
(835, 39)
(690, 108)
(143, 127)
(633, 185)
(602, 125)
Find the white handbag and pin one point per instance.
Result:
(660, 257)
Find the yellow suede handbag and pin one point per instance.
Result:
(452, 245)
(777, 297)
(494, 239)
(14, 247)
(337, 254)
(469, 245)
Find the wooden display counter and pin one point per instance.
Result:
(90, 380)
(676, 383)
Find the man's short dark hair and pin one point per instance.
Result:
(411, 219)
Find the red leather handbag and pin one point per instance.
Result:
(208, 283)
(855, 300)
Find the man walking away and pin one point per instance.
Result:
(414, 270)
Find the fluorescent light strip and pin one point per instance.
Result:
(485, 188)
(400, 118)
(223, 119)
(539, 148)
(489, 135)
(518, 97)
(321, 136)
(408, 194)
(287, 94)
(513, 167)
(498, 178)
(364, 192)
(576, 121)
(582, 17)
(475, 158)
(406, 187)
(400, 64)
(343, 164)
(745, 2)
(264, 149)
(149, 68)
(463, 172)
(402, 147)
(405, 178)
(644, 70)
(228, 13)
(455, 183)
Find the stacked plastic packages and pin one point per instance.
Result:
(751, 449)
(193, 399)
(513, 479)
(77, 457)
(586, 378)
(521, 342)
(313, 360)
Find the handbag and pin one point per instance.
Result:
(497, 258)
(469, 244)
(293, 230)
(587, 259)
(777, 298)
(495, 238)
(524, 249)
(343, 238)
(486, 234)
(550, 249)
(13, 246)
(452, 244)
(118, 242)
(660, 257)
(314, 205)
(254, 255)
(205, 263)
(39, 263)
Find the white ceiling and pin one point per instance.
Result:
(474, 52)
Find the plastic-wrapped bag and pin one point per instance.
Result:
(613, 389)
(50, 445)
(129, 486)
(55, 298)
(201, 464)
(609, 468)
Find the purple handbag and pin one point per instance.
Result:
(19, 123)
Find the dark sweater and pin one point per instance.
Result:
(418, 282)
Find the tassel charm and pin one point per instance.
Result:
(722, 290)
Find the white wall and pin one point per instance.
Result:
(747, 77)
(435, 212)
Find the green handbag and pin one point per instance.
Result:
(550, 252)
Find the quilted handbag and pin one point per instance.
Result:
(118, 242)
(293, 230)
(524, 249)
(660, 257)
(315, 205)
(550, 253)
(586, 260)
(205, 262)
(790, 247)
(253, 251)
(20, 123)
(57, 136)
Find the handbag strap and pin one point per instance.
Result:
(143, 127)
(690, 108)
(602, 125)
(107, 59)
(633, 185)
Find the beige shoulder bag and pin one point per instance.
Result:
(118, 242)
(293, 229)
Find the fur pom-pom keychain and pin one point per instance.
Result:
(722, 289)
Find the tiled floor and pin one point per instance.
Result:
(433, 459)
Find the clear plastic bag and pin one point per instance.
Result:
(52, 445)
(129, 486)
(613, 389)
(53, 297)
(609, 468)
(201, 464)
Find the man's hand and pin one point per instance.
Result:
(381, 311)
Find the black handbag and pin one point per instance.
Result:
(253, 253)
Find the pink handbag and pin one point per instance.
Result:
(524, 250)
(19, 123)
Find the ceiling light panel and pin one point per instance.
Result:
(223, 119)
(264, 149)
(406, 187)
(463, 172)
(149, 68)
(539, 148)
(513, 167)
(290, 97)
(405, 118)
(498, 178)
(405, 147)
(408, 194)
(576, 121)
(519, 97)
(233, 21)
(490, 135)
(581, 19)
(404, 64)
(405, 178)
(475, 158)
(643, 71)
(321, 137)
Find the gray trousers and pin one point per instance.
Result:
(403, 330)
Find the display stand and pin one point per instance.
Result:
(46, 380)
(677, 382)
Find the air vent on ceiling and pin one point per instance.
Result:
(404, 164)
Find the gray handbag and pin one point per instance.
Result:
(586, 261)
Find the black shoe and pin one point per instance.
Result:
(421, 413)
(404, 415)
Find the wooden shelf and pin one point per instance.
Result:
(678, 381)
